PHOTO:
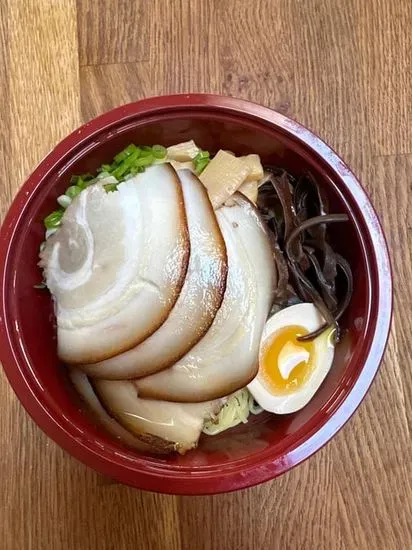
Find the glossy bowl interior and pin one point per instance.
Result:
(268, 445)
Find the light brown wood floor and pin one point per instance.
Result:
(344, 68)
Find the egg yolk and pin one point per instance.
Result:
(285, 362)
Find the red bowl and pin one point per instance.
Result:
(267, 446)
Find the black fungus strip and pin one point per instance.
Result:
(297, 213)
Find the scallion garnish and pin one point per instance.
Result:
(54, 219)
(109, 187)
(73, 191)
(64, 201)
(159, 152)
(201, 160)
(130, 161)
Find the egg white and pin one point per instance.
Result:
(308, 317)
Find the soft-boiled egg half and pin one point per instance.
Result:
(291, 370)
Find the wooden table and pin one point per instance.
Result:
(342, 68)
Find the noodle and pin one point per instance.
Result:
(236, 410)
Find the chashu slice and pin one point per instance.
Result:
(226, 359)
(199, 300)
(117, 265)
(164, 425)
(84, 388)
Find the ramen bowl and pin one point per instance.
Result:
(267, 445)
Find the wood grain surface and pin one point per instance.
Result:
(342, 68)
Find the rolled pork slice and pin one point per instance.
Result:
(117, 265)
(199, 300)
(92, 403)
(165, 426)
(226, 359)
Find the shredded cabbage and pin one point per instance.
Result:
(234, 411)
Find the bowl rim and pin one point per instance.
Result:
(177, 482)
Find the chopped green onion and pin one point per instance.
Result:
(109, 179)
(90, 182)
(64, 201)
(105, 168)
(120, 157)
(109, 187)
(126, 165)
(81, 184)
(103, 175)
(130, 149)
(144, 161)
(82, 181)
(201, 165)
(74, 180)
(201, 155)
(159, 152)
(201, 160)
(73, 191)
(136, 170)
(53, 220)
